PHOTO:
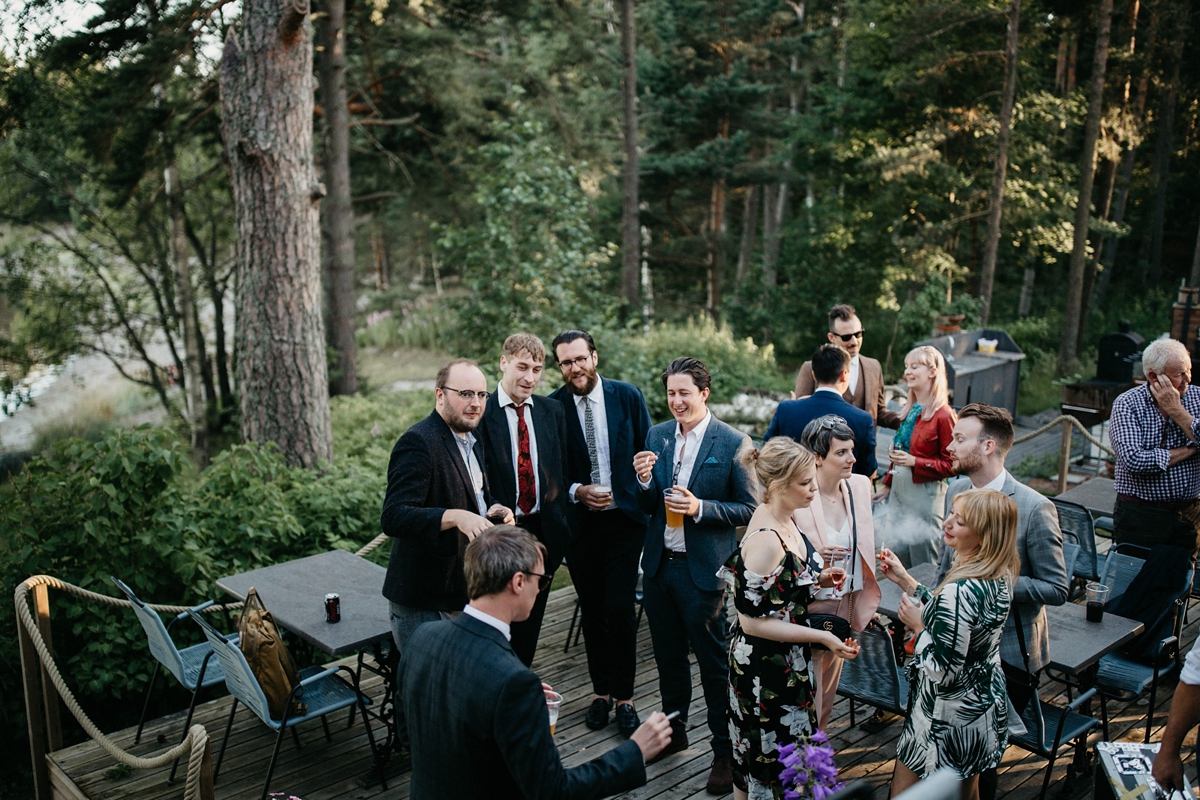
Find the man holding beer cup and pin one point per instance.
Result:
(697, 493)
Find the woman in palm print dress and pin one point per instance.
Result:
(773, 575)
(959, 717)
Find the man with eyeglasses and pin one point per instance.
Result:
(607, 422)
(1155, 432)
(864, 388)
(830, 367)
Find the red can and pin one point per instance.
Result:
(333, 608)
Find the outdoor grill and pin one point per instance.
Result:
(1091, 401)
(975, 376)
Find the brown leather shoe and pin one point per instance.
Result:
(720, 780)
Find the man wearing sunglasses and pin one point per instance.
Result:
(865, 385)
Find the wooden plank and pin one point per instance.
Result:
(54, 740)
(61, 785)
(30, 670)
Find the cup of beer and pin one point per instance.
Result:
(674, 518)
(602, 490)
(553, 704)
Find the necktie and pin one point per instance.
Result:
(589, 432)
(526, 490)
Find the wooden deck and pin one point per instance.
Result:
(321, 770)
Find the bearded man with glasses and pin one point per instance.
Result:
(864, 387)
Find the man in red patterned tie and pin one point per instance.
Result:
(524, 437)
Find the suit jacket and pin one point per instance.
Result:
(811, 520)
(724, 488)
(792, 415)
(867, 395)
(628, 423)
(1043, 581)
(426, 476)
(478, 725)
(550, 432)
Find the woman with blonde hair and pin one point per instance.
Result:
(839, 525)
(773, 575)
(959, 713)
(915, 485)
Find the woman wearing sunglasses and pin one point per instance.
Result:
(838, 523)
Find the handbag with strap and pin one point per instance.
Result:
(268, 657)
(837, 625)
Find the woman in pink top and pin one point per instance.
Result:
(838, 523)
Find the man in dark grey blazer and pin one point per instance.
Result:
(695, 459)
(982, 438)
(478, 716)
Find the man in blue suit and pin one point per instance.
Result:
(607, 422)
(831, 371)
(696, 459)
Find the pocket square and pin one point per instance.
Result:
(711, 460)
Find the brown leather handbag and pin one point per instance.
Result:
(268, 657)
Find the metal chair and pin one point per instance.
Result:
(873, 676)
(576, 632)
(322, 691)
(1049, 727)
(1124, 677)
(1077, 520)
(191, 666)
(1071, 551)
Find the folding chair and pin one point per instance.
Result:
(191, 666)
(322, 690)
(873, 676)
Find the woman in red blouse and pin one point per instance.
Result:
(915, 486)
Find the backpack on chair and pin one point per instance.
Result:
(268, 657)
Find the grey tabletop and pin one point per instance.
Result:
(1097, 495)
(1075, 643)
(294, 592)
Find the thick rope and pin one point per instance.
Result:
(196, 739)
(371, 545)
(1086, 433)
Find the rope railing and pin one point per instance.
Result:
(1058, 421)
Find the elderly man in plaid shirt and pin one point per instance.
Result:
(1155, 432)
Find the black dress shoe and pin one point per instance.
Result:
(597, 716)
(627, 719)
(879, 720)
(679, 741)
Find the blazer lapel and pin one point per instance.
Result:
(706, 446)
(501, 446)
(665, 466)
(455, 453)
(612, 415)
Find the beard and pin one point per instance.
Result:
(967, 463)
(588, 386)
(460, 424)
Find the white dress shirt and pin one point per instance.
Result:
(510, 413)
(472, 611)
(854, 370)
(997, 482)
(689, 446)
(466, 449)
(829, 389)
(600, 425)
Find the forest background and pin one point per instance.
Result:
(699, 176)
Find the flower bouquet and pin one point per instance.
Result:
(808, 768)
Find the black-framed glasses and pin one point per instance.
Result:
(849, 337)
(575, 362)
(543, 580)
(467, 394)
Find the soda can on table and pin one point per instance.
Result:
(333, 608)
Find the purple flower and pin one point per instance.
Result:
(808, 768)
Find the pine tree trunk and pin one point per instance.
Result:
(266, 123)
(1195, 281)
(991, 243)
(749, 224)
(197, 409)
(716, 252)
(1162, 155)
(337, 212)
(1068, 354)
(631, 231)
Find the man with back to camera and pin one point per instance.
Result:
(1155, 431)
(478, 715)
(607, 422)
(830, 367)
(865, 386)
(981, 440)
(525, 438)
(696, 457)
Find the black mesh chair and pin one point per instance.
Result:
(1077, 520)
(873, 676)
(1049, 727)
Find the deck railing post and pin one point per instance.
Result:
(30, 667)
(1064, 454)
(41, 600)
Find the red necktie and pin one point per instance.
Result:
(526, 489)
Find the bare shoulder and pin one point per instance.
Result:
(762, 551)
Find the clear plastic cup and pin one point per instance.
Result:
(553, 704)
(674, 518)
(1097, 596)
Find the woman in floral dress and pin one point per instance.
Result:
(959, 717)
(773, 575)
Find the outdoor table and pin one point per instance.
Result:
(294, 592)
(1097, 495)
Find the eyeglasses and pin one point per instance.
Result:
(467, 394)
(832, 423)
(848, 337)
(580, 362)
(543, 580)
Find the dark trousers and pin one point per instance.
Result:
(525, 633)
(1020, 693)
(1147, 524)
(680, 615)
(603, 561)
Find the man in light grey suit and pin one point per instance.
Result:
(696, 458)
(982, 438)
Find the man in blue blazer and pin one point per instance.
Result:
(831, 371)
(607, 422)
(696, 459)
(478, 716)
